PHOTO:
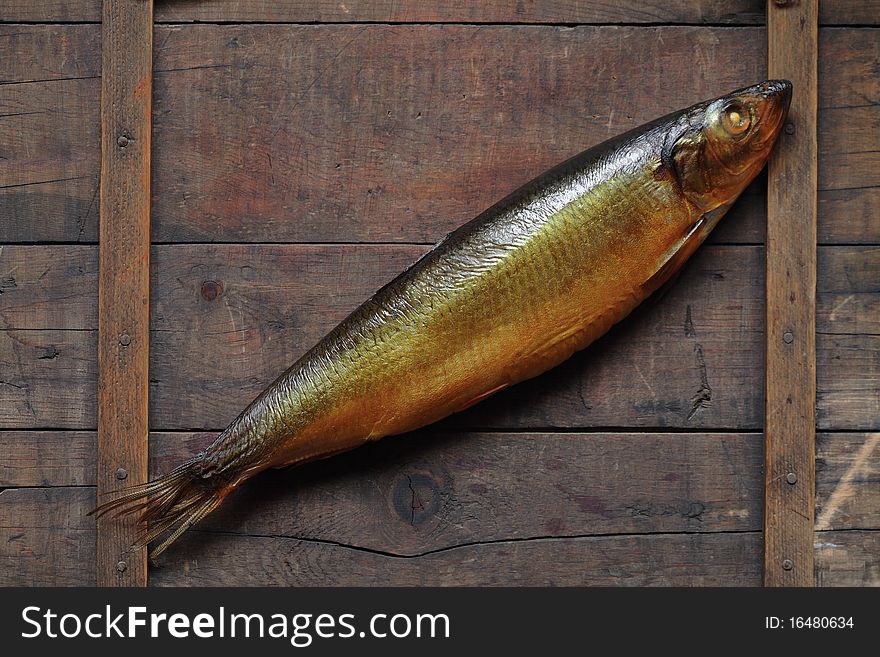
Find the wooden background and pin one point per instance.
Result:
(304, 152)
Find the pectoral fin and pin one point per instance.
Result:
(667, 273)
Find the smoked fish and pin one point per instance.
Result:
(507, 296)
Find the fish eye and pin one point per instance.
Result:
(735, 118)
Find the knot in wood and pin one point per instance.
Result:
(416, 497)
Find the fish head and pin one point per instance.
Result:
(727, 141)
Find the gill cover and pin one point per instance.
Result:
(724, 143)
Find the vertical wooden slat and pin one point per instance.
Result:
(124, 278)
(790, 410)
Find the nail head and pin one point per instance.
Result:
(787, 564)
(211, 290)
(122, 141)
(791, 478)
(121, 566)
(121, 473)
(788, 337)
(789, 128)
(125, 339)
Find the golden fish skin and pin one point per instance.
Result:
(507, 296)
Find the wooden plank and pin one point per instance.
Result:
(790, 389)
(406, 152)
(50, 153)
(262, 306)
(46, 539)
(55, 287)
(738, 12)
(51, 11)
(52, 156)
(847, 471)
(455, 141)
(124, 278)
(847, 381)
(310, 503)
(848, 558)
(492, 11)
(67, 458)
(202, 559)
(848, 296)
(47, 458)
(437, 490)
(848, 338)
(49, 287)
(48, 379)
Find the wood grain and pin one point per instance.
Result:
(790, 387)
(67, 458)
(434, 490)
(655, 560)
(404, 178)
(123, 279)
(49, 287)
(49, 132)
(48, 379)
(260, 306)
(847, 471)
(734, 12)
(848, 558)
(485, 496)
(47, 458)
(843, 558)
(46, 539)
(41, 526)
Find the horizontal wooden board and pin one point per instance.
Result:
(49, 287)
(736, 12)
(363, 145)
(847, 497)
(846, 464)
(369, 139)
(47, 458)
(657, 560)
(847, 472)
(460, 490)
(228, 319)
(842, 559)
(848, 558)
(48, 379)
(436, 490)
(848, 291)
(46, 539)
(848, 378)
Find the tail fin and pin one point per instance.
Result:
(168, 505)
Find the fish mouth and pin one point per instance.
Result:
(779, 90)
(775, 98)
